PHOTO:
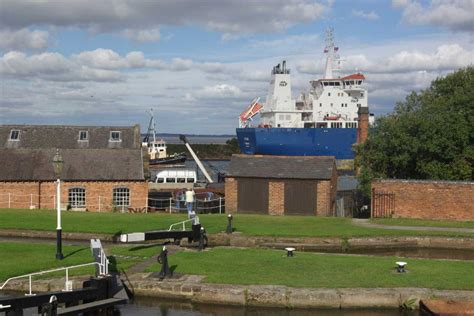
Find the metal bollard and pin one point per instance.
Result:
(229, 224)
(163, 259)
(51, 308)
(202, 239)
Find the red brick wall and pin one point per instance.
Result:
(430, 199)
(276, 197)
(230, 195)
(41, 194)
(325, 195)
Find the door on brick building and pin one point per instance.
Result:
(300, 197)
(252, 196)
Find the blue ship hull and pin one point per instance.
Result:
(298, 141)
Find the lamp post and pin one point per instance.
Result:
(58, 168)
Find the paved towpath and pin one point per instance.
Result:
(367, 223)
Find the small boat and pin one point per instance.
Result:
(157, 148)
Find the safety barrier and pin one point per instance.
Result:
(102, 203)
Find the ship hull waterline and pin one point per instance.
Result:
(335, 142)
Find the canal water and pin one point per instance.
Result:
(152, 306)
(161, 307)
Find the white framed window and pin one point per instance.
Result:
(121, 196)
(77, 197)
(83, 135)
(115, 136)
(14, 134)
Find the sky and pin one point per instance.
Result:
(198, 64)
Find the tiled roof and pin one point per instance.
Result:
(79, 164)
(67, 137)
(281, 167)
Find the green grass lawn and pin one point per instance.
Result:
(18, 258)
(422, 222)
(258, 266)
(256, 225)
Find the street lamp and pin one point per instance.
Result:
(58, 168)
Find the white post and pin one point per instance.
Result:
(67, 280)
(31, 201)
(220, 205)
(58, 203)
(123, 204)
(30, 284)
(9, 199)
(146, 205)
(99, 203)
(171, 201)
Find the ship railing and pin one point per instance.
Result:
(67, 284)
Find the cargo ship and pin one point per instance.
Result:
(322, 121)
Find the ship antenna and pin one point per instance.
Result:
(331, 54)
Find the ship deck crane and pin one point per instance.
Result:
(196, 159)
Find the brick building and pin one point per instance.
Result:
(102, 170)
(281, 185)
(442, 200)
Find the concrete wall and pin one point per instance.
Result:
(34, 194)
(430, 199)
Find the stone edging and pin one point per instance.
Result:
(189, 288)
(315, 243)
(300, 243)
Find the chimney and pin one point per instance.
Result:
(363, 129)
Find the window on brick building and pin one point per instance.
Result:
(77, 197)
(83, 135)
(14, 134)
(115, 136)
(121, 196)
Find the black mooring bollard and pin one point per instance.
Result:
(202, 237)
(229, 224)
(163, 259)
(51, 308)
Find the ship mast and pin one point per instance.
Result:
(331, 54)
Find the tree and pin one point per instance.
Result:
(429, 135)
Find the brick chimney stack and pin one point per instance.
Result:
(363, 129)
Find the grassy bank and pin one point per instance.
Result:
(255, 225)
(422, 222)
(18, 258)
(257, 266)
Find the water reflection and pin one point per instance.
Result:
(153, 306)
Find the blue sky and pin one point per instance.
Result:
(199, 63)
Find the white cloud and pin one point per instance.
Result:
(140, 20)
(456, 15)
(446, 57)
(214, 94)
(365, 15)
(23, 39)
(179, 64)
(143, 36)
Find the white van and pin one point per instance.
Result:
(176, 176)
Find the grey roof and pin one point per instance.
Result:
(79, 164)
(67, 137)
(281, 167)
(347, 183)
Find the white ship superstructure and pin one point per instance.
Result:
(331, 102)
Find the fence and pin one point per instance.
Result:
(101, 203)
(383, 204)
